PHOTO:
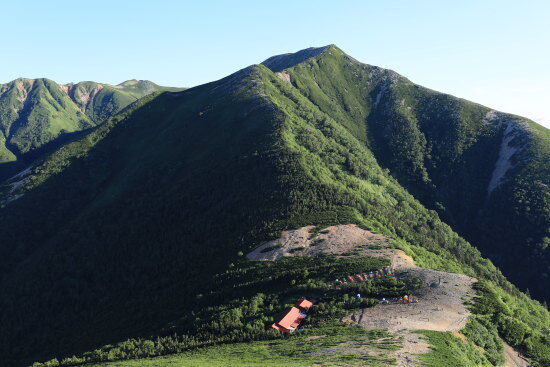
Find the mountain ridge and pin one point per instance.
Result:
(423, 144)
(133, 225)
(35, 113)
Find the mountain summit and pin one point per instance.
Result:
(129, 241)
(285, 61)
(482, 170)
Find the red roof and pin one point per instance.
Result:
(281, 329)
(289, 320)
(303, 304)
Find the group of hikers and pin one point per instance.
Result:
(385, 272)
(404, 299)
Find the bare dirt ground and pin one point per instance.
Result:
(413, 344)
(440, 299)
(504, 163)
(338, 240)
(440, 306)
(284, 76)
(513, 358)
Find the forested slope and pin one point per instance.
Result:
(485, 172)
(127, 231)
(39, 115)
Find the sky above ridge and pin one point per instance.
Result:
(496, 53)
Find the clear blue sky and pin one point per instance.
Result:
(493, 52)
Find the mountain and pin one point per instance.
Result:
(129, 241)
(38, 115)
(101, 101)
(485, 172)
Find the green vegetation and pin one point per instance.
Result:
(38, 115)
(132, 232)
(317, 242)
(326, 345)
(296, 249)
(271, 248)
(443, 151)
(523, 324)
(34, 112)
(450, 351)
(101, 101)
(484, 334)
(232, 310)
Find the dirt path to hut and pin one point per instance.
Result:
(441, 297)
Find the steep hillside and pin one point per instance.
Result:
(36, 111)
(38, 115)
(485, 172)
(129, 241)
(101, 101)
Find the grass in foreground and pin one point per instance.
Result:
(330, 345)
(232, 310)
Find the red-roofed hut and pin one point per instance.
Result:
(303, 304)
(289, 320)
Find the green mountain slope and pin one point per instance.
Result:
(480, 169)
(101, 101)
(34, 112)
(135, 230)
(37, 115)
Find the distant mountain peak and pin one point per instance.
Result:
(24, 80)
(129, 82)
(38, 112)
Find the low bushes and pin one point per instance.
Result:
(522, 323)
(233, 310)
